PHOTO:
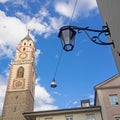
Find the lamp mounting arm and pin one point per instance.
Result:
(96, 38)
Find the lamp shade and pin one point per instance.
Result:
(53, 84)
(67, 37)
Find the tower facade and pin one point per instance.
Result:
(19, 96)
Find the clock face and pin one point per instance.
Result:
(23, 55)
(18, 84)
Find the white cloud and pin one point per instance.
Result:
(38, 26)
(3, 1)
(2, 95)
(75, 102)
(24, 18)
(57, 93)
(91, 96)
(23, 3)
(35, 23)
(55, 22)
(12, 30)
(42, 23)
(64, 8)
(3, 82)
(37, 54)
(43, 100)
(83, 7)
(43, 12)
(41, 27)
(37, 80)
(42, 94)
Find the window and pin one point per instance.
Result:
(14, 109)
(90, 117)
(69, 118)
(114, 99)
(20, 72)
(117, 118)
(23, 49)
(48, 118)
(16, 97)
(85, 103)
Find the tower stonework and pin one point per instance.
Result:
(19, 96)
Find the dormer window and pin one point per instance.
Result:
(85, 103)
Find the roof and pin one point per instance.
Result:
(33, 115)
(109, 82)
(27, 37)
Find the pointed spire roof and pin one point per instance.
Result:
(28, 36)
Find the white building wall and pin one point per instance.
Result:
(110, 13)
(75, 116)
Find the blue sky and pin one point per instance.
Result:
(79, 70)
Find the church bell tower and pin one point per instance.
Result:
(19, 96)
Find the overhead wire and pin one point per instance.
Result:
(73, 12)
(60, 56)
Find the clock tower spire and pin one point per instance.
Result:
(19, 96)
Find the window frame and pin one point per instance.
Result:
(69, 117)
(116, 117)
(114, 100)
(48, 118)
(92, 116)
(20, 72)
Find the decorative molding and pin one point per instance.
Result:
(22, 62)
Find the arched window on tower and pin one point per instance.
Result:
(23, 49)
(20, 72)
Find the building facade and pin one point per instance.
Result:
(109, 11)
(19, 96)
(107, 95)
(81, 113)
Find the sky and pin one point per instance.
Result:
(78, 71)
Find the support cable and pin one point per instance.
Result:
(60, 56)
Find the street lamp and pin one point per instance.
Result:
(67, 36)
(53, 83)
